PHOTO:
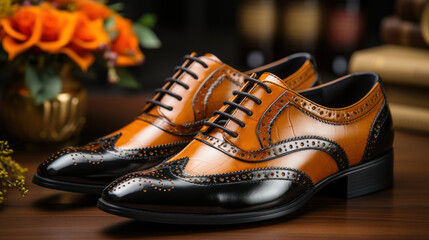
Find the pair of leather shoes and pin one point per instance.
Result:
(273, 145)
(166, 125)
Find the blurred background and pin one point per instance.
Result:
(389, 37)
(249, 33)
(245, 34)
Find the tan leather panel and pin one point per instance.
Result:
(205, 160)
(318, 165)
(194, 147)
(230, 80)
(366, 108)
(215, 89)
(340, 115)
(136, 135)
(304, 125)
(303, 78)
(352, 124)
(292, 116)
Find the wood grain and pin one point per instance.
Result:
(398, 213)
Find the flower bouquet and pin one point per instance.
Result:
(41, 35)
(46, 42)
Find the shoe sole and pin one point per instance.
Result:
(68, 186)
(360, 180)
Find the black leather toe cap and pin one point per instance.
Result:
(101, 160)
(169, 189)
(57, 166)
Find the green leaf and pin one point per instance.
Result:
(148, 20)
(127, 79)
(32, 80)
(43, 85)
(109, 23)
(113, 35)
(147, 37)
(117, 6)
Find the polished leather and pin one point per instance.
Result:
(158, 133)
(291, 142)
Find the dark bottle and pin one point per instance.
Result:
(344, 31)
(299, 28)
(256, 26)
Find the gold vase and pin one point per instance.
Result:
(52, 122)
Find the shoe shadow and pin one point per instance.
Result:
(140, 229)
(321, 205)
(66, 201)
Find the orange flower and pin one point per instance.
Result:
(81, 58)
(93, 9)
(77, 34)
(22, 31)
(126, 44)
(58, 28)
(89, 36)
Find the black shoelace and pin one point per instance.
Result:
(171, 80)
(225, 115)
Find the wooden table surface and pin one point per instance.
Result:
(398, 213)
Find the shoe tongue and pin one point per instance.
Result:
(269, 77)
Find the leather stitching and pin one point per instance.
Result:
(264, 125)
(336, 117)
(94, 154)
(307, 73)
(177, 167)
(203, 90)
(280, 149)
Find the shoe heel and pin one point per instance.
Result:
(371, 177)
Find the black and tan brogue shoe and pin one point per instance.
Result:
(266, 153)
(167, 124)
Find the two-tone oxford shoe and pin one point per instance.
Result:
(266, 153)
(166, 125)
